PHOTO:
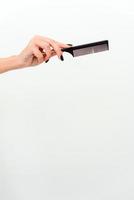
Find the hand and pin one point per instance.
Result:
(40, 49)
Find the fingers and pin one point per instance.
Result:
(46, 44)
(48, 52)
(38, 55)
(64, 45)
(48, 48)
(53, 53)
(57, 46)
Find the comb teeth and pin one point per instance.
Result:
(87, 48)
(90, 50)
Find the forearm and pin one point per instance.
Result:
(9, 63)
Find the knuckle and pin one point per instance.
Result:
(47, 45)
(36, 37)
(41, 56)
(57, 48)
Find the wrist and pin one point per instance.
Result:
(10, 63)
(18, 63)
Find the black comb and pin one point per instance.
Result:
(84, 49)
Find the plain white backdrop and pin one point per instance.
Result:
(66, 128)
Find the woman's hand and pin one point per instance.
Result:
(40, 49)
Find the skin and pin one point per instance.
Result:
(39, 49)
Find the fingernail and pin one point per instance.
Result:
(61, 57)
(47, 60)
(70, 44)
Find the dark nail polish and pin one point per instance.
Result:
(70, 44)
(47, 60)
(61, 57)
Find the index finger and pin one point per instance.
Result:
(62, 45)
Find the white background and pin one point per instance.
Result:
(66, 128)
